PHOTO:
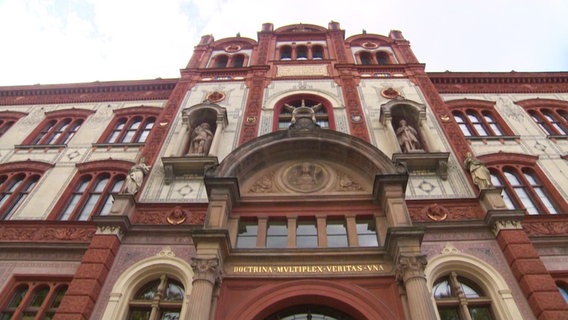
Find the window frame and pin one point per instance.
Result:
(12, 191)
(33, 283)
(541, 110)
(463, 110)
(522, 165)
(57, 128)
(114, 134)
(249, 239)
(8, 119)
(458, 300)
(158, 302)
(73, 196)
(279, 109)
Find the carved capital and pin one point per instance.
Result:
(205, 269)
(505, 225)
(110, 230)
(409, 267)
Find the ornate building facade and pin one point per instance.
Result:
(302, 175)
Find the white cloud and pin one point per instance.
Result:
(58, 41)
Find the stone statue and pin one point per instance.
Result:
(135, 177)
(479, 173)
(201, 138)
(407, 137)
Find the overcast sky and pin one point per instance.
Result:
(67, 41)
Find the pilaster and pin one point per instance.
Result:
(535, 281)
(410, 270)
(206, 272)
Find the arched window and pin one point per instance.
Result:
(301, 53)
(286, 108)
(383, 58)
(7, 120)
(366, 58)
(91, 190)
(33, 299)
(238, 61)
(92, 195)
(550, 115)
(522, 189)
(285, 53)
(478, 118)
(460, 298)
(550, 122)
(158, 299)
(221, 61)
(58, 127)
(317, 52)
(14, 188)
(131, 125)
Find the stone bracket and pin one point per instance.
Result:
(188, 165)
(424, 161)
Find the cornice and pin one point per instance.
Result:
(87, 92)
(499, 82)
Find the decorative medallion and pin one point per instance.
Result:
(216, 96)
(436, 212)
(370, 45)
(390, 93)
(445, 117)
(356, 118)
(305, 177)
(232, 48)
(177, 216)
(251, 119)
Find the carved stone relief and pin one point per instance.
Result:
(307, 176)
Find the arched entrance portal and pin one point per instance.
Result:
(309, 312)
(339, 299)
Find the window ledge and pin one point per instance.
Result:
(40, 146)
(557, 137)
(493, 137)
(118, 145)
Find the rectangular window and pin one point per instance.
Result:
(336, 233)
(277, 234)
(247, 234)
(306, 234)
(366, 232)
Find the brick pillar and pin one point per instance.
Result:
(535, 281)
(86, 285)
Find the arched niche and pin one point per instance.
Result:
(413, 144)
(202, 130)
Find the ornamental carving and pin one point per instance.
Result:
(46, 234)
(177, 216)
(306, 176)
(174, 216)
(545, 228)
(435, 212)
(409, 267)
(205, 269)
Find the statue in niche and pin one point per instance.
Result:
(479, 172)
(407, 137)
(135, 177)
(201, 139)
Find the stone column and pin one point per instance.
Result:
(410, 270)
(206, 273)
(432, 144)
(213, 151)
